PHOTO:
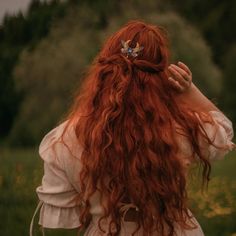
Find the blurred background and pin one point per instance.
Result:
(45, 49)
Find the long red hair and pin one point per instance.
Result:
(125, 120)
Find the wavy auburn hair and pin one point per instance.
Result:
(125, 119)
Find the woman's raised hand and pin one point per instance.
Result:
(180, 76)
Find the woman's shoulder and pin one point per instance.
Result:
(61, 152)
(51, 137)
(60, 139)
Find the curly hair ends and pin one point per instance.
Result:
(125, 117)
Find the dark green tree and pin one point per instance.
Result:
(49, 73)
(216, 19)
(16, 32)
(229, 95)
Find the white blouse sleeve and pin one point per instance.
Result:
(59, 189)
(220, 133)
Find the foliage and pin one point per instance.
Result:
(18, 197)
(215, 209)
(50, 73)
(228, 94)
(48, 76)
(16, 32)
(216, 20)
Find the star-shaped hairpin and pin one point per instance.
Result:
(126, 49)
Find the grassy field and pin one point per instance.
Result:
(21, 172)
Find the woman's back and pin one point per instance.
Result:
(132, 133)
(63, 158)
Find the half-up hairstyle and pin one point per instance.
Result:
(125, 120)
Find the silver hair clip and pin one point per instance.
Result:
(130, 51)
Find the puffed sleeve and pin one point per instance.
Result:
(59, 189)
(220, 132)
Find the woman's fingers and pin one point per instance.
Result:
(175, 84)
(184, 67)
(183, 73)
(180, 76)
(177, 75)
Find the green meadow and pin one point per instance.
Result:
(21, 172)
(45, 53)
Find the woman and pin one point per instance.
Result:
(117, 165)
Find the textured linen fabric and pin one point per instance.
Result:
(60, 184)
(60, 187)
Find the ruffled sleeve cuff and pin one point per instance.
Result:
(221, 134)
(225, 123)
(59, 217)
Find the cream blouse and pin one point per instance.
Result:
(60, 187)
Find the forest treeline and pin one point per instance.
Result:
(45, 52)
